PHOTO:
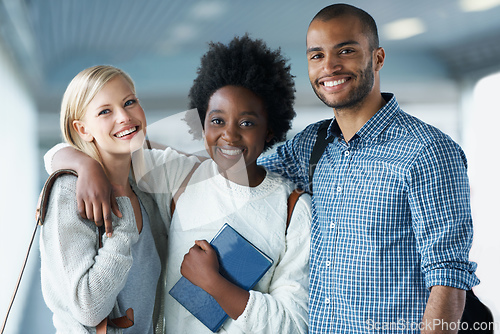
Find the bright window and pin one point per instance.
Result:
(483, 152)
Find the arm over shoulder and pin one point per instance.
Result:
(291, 159)
(49, 156)
(161, 173)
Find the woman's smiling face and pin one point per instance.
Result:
(112, 118)
(236, 127)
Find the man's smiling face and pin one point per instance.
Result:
(340, 61)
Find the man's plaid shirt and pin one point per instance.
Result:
(391, 218)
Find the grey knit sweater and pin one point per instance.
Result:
(80, 282)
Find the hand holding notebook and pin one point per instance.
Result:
(201, 265)
(240, 263)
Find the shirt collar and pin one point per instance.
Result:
(375, 125)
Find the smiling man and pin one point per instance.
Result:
(392, 224)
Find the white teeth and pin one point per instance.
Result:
(334, 83)
(231, 152)
(126, 132)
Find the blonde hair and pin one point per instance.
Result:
(80, 91)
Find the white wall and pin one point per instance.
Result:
(18, 184)
(481, 144)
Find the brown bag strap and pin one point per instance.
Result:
(292, 200)
(125, 321)
(181, 189)
(39, 217)
(43, 200)
(102, 327)
(41, 211)
(122, 322)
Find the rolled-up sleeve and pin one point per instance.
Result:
(439, 198)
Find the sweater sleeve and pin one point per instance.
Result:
(49, 156)
(284, 309)
(77, 273)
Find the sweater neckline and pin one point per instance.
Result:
(268, 185)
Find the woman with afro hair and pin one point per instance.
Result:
(244, 96)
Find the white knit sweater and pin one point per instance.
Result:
(278, 303)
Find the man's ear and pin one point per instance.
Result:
(379, 58)
(82, 131)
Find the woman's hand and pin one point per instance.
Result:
(94, 192)
(201, 266)
(96, 198)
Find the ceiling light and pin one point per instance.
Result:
(208, 10)
(404, 28)
(179, 35)
(478, 5)
(184, 32)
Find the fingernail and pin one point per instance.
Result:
(108, 234)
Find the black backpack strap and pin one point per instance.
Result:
(475, 312)
(318, 148)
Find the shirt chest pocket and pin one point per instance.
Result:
(378, 192)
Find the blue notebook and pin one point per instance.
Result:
(240, 262)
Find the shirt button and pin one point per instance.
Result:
(327, 300)
(339, 189)
(346, 153)
(332, 225)
(328, 263)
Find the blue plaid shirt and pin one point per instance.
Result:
(391, 218)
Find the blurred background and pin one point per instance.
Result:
(443, 64)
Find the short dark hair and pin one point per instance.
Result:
(248, 63)
(342, 9)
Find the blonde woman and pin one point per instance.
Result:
(81, 283)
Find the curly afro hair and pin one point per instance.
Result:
(247, 63)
